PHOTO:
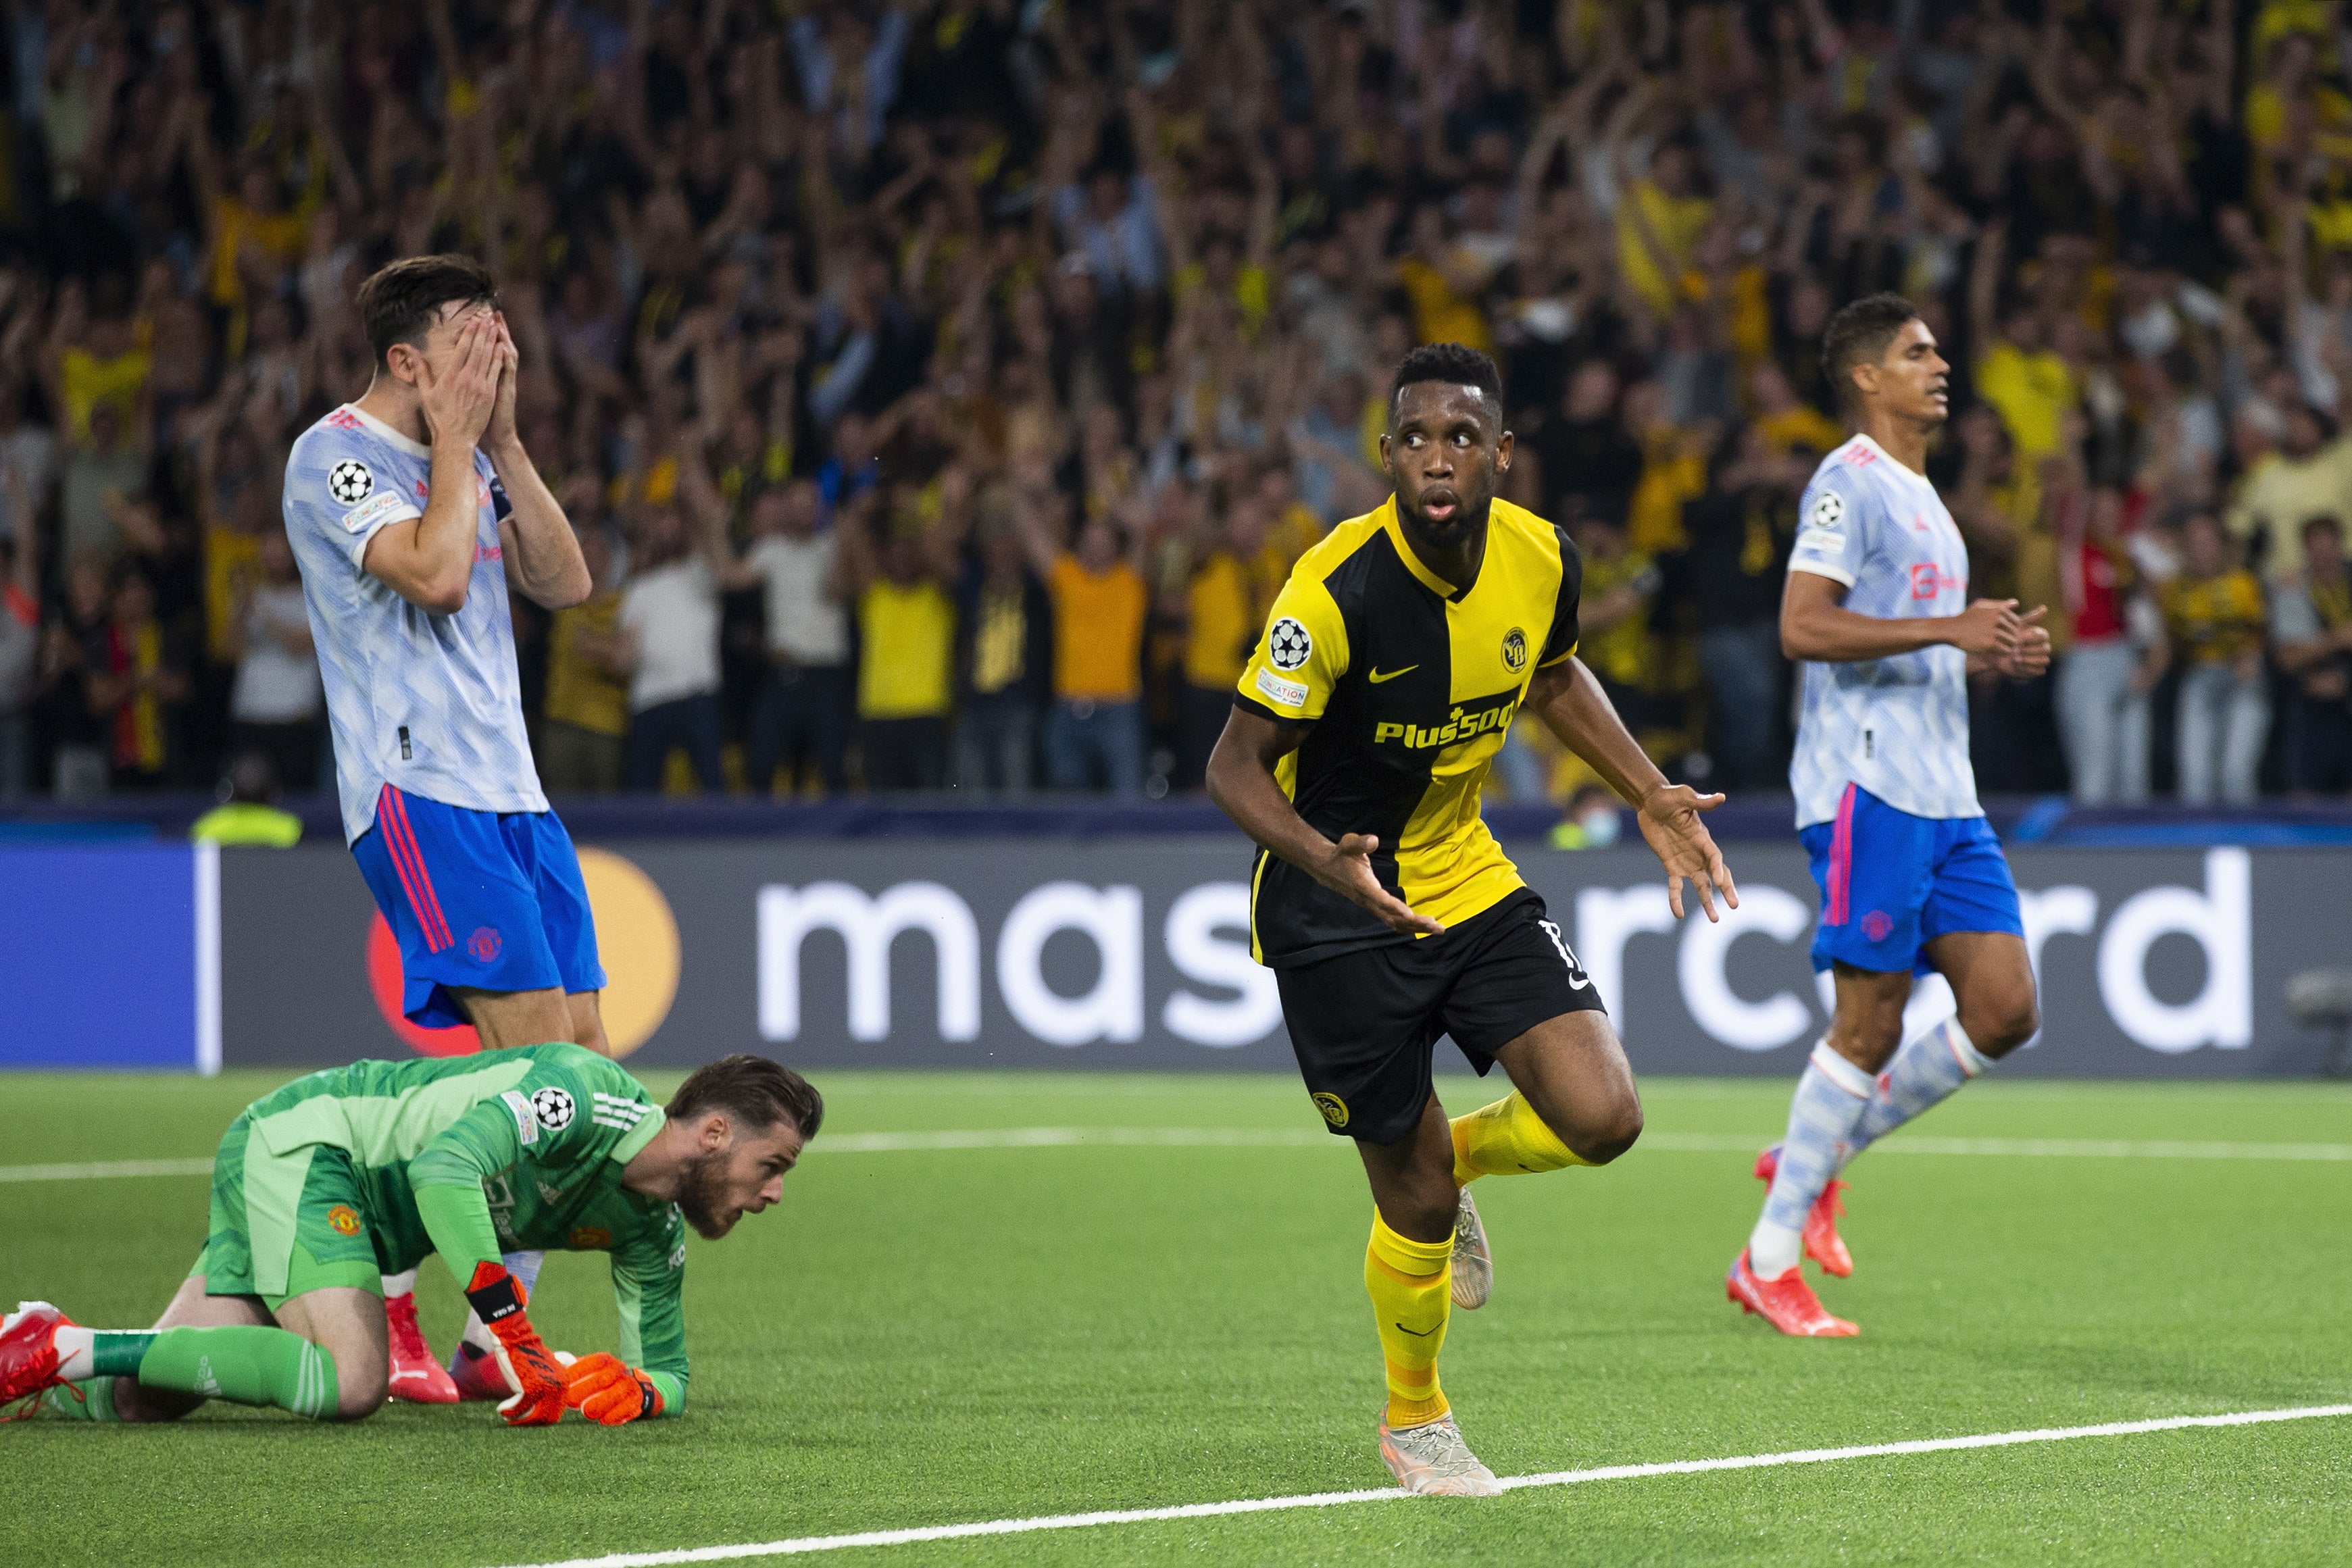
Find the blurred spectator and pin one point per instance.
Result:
(801, 722)
(20, 648)
(1007, 621)
(29, 459)
(670, 641)
(1614, 620)
(1094, 733)
(248, 813)
(583, 746)
(2311, 621)
(1586, 463)
(276, 707)
(2310, 475)
(1729, 577)
(1592, 820)
(139, 680)
(905, 628)
(2213, 612)
(73, 712)
(2112, 657)
(1227, 598)
(104, 468)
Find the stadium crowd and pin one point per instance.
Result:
(942, 388)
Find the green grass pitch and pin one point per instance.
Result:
(929, 1336)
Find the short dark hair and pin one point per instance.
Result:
(1458, 363)
(400, 303)
(752, 1091)
(1858, 335)
(2322, 522)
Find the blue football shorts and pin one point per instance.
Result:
(488, 900)
(1891, 883)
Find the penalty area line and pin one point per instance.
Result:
(802, 1545)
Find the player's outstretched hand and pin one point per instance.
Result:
(1670, 820)
(1989, 628)
(529, 1367)
(1349, 872)
(609, 1390)
(458, 403)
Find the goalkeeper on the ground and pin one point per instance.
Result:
(343, 1177)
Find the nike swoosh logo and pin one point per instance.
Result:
(1417, 1333)
(1379, 675)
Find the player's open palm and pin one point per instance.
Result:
(1349, 872)
(1670, 820)
(457, 403)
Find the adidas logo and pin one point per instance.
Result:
(206, 1383)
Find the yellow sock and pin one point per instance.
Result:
(1410, 1283)
(1506, 1138)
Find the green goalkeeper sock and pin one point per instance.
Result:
(92, 1400)
(114, 1354)
(245, 1366)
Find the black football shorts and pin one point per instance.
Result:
(1364, 1024)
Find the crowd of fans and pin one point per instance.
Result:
(942, 388)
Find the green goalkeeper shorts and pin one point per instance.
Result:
(284, 1225)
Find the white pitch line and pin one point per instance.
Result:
(809, 1543)
(953, 1139)
(1655, 1142)
(105, 1169)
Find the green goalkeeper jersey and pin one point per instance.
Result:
(471, 1157)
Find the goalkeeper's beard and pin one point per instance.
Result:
(704, 1199)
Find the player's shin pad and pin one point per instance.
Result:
(529, 1367)
(1506, 1138)
(1409, 1282)
(245, 1365)
(609, 1390)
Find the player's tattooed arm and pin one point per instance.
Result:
(1569, 700)
(1241, 782)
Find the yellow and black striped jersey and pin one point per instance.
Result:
(1409, 684)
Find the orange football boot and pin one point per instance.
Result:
(1824, 1245)
(416, 1376)
(1787, 1304)
(28, 1356)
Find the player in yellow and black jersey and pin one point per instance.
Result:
(1361, 733)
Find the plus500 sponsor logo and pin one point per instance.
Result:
(1461, 724)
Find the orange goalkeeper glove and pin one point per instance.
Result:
(609, 1390)
(529, 1366)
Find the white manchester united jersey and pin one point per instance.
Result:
(1898, 726)
(430, 703)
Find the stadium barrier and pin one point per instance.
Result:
(1119, 952)
(109, 956)
(1104, 952)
